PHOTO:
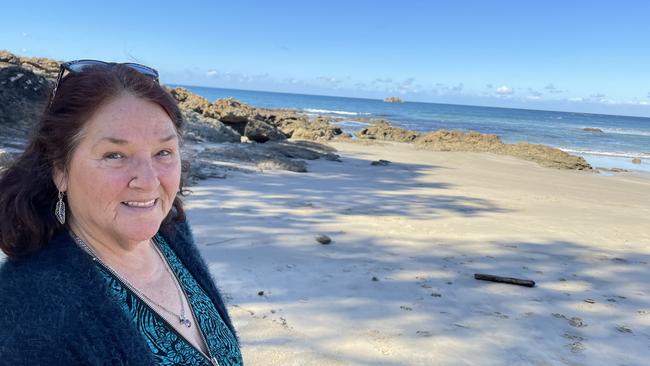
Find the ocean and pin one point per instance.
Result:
(622, 139)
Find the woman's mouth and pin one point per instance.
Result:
(140, 204)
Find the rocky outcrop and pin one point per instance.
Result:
(231, 110)
(191, 102)
(477, 142)
(546, 156)
(199, 128)
(443, 140)
(219, 161)
(384, 131)
(392, 100)
(258, 124)
(45, 67)
(636, 161)
(260, 131)
(591, 129)
(23, 97)
(318, 129)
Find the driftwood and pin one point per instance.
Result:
(509, 280)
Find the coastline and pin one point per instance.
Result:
(353, 112)
(395, 285)
(422, 226)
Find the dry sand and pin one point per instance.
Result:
(422, 226)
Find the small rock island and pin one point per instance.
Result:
(392, 100)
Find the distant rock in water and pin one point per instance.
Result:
(591, 129)
(392, 100)
(636, 161)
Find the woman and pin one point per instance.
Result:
(101, 266)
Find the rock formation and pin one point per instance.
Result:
(478, 142)
(386, 132)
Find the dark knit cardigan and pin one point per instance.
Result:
(55, 309)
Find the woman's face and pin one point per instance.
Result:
(125, 172)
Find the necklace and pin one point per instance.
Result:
(181, 317)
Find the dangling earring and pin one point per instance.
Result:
(59, 211)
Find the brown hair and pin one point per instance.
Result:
(27, 192)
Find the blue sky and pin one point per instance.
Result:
(588, 56)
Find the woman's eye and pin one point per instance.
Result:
(113, 156)
(164, 153)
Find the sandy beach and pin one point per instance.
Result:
(396, 287)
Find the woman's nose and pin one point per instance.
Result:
(144, 175)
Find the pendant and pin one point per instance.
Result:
(186, 322)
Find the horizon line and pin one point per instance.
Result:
(419, 102)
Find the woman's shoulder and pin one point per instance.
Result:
(54, 275)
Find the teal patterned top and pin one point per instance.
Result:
(168, 347)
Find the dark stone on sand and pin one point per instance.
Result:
(332, 157)
(323, 239)
(260, 293)
(623, 329)
(375, 279)
(577, 322)
(380, 162)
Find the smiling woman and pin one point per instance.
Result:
(101, 263)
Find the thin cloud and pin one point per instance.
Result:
(505, 90)
(534, 93)
(552, 89)
(489, 86)
(329, 81)
(457, 88)
(237, 77)
(382, 80)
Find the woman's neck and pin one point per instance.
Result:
(129, 258)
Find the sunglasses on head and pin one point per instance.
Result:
(81, 65)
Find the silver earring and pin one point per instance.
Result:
(59, 211)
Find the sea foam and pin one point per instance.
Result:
(327, 111)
